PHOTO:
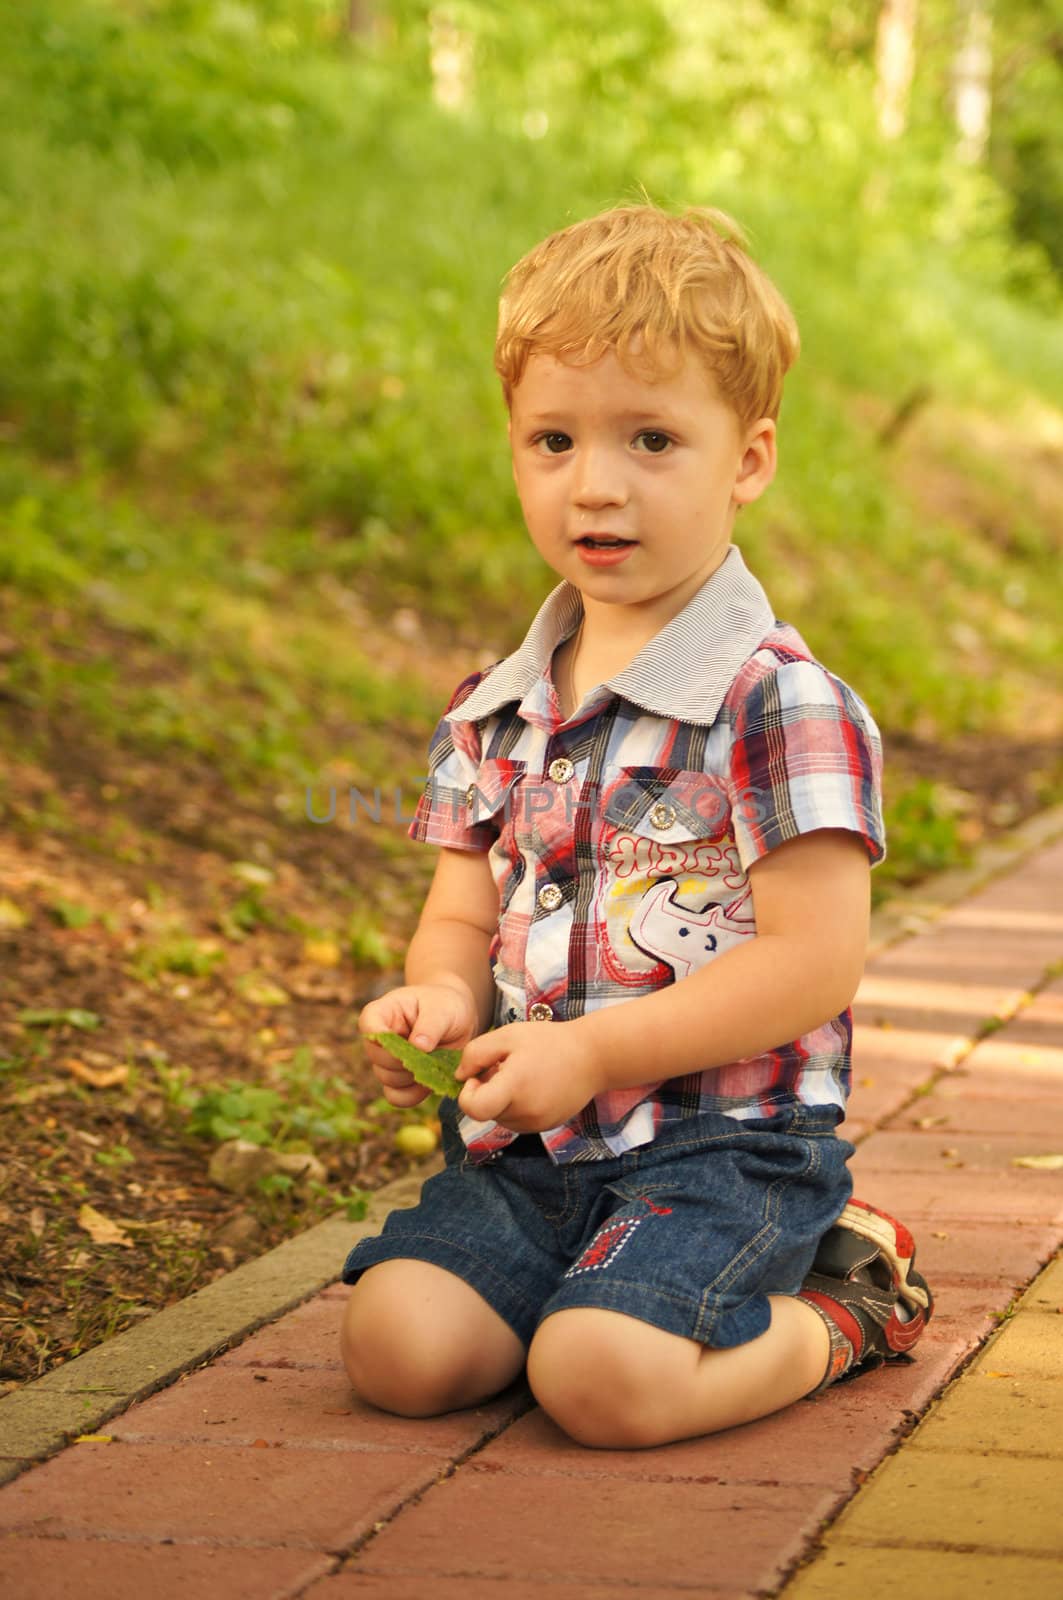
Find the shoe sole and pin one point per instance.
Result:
(893, 1241)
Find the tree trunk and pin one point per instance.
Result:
(972, 77)
(359, 17)
(894, 64)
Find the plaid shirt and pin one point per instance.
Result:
(620, 840)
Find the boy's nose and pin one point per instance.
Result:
(599, 481)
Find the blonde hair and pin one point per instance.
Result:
(652, 288)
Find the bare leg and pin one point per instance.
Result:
(612, 1381)
(417, 1340)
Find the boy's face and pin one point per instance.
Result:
(601, 455)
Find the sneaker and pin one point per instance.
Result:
(863, 1272)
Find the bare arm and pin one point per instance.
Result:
(458, 921)
(449, 992)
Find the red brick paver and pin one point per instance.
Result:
(260, 1477)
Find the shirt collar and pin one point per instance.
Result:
(684, 671)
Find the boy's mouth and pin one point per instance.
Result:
(604, 542)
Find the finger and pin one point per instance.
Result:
(487, 1102)
(481, 1054)
(405, 1098)
(396, 1077)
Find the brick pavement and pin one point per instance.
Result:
(259, 1476)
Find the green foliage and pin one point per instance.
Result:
(193, 957)
(433, 1069)
(73, 1017)
(301, 1111)
(922, 826)
(252, 262)
(367, 945)
(71, 915)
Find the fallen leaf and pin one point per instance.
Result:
(1039, 1163)
(94, 1438)
(48, 1017)
(50, 1089)
(11, 915)
(998, 1374)
(950, 1153)
(251, 872)
(101, 1229)
(930, 1122)
(96, 1077)
(322, 952)
(260, 1444)
(37, 1222)
(867, 1083)
(262, 991)
(939, 1235)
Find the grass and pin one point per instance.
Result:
(248, 409)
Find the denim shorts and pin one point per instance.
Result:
(691, 1232)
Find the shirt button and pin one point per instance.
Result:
(470, 794)
(540, 1013)
(561, 770)
(550, 897)
(662, 816)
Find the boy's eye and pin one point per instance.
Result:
(555, 443)
(652, 441)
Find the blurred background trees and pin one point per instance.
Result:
(252, 260)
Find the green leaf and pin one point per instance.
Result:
(356, 1205)
(46, 1018)
(432, 1069)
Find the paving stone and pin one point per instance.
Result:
(981, 1414)
(351, 1584)
(1030, 1342)
(958, 1194)
(95, 1569)
(309, 1337)
(320, 1499)
(680, 1533)
(1001, 1256)
(237, 1405)
(930, 1150)
(835, 1441)
(1046, 1294)
(912, 1028)
(956, 1112)
(922, 1497)
(973, 1309)
(1000, 1076)
(906, 1388)
(845, 1571)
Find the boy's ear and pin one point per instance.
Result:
(757, 466)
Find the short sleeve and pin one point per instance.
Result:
(805, 754)
(454, 757)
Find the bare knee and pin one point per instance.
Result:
(417, 1341)
(599, 1375)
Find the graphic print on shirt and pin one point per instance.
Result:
(685, 938)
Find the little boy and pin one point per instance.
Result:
(650, 910)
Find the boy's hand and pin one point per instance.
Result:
(428, 1014)
(529, 1076)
